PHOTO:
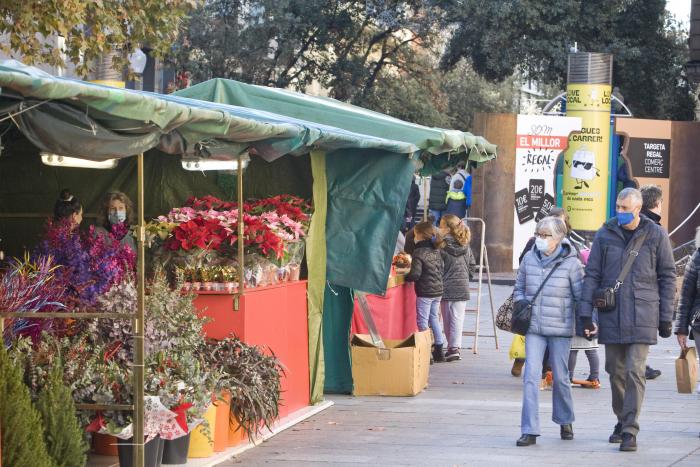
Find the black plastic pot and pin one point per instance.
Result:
(175, 450)
(153, 452)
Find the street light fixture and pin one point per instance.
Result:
(56, 160)
(197, 165)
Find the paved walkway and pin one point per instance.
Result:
(470, 415)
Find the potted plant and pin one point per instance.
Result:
(206, 275)
(229, 275)
(253, 380)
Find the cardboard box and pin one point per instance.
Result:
(400, 369)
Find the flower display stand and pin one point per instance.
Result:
(273, 317)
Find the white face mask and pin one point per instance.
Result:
(116, 217)
(542, 245)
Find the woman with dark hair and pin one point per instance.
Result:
(116, 215)
(67, 208)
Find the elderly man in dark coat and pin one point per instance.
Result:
(643, 304)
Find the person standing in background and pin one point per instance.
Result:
(437, 203)
(652, 196)
(459, 196)
(411, 206)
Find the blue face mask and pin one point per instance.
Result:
(625, 218)
(116, 217)
(542, 245)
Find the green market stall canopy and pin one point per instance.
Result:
(361, 161)
(431, 141)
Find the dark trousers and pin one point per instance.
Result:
(626, 365)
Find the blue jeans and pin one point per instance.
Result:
(562, 404)
(437, 215)
(427, 313)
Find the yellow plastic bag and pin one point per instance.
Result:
(517, 347)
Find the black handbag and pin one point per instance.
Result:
(522, 309)
(604, 299)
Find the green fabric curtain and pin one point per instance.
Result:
(316, 262)
(367, 194)
(337, 316)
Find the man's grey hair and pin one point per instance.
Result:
(554, 226)
(633, 193)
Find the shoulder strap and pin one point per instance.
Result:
(634, 252)
(534, 297)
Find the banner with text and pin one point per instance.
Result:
(587, 160)
(539, 142)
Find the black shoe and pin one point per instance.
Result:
(651, 373)
(438, 356)
(452, 354)
(629, 442)
(526, 440)
(567, 432)
(616, 436)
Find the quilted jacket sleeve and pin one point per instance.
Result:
(687, 296)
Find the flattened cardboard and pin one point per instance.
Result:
(400, 369)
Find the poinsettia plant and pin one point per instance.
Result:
(209, 224)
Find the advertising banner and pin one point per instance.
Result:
(586, 162)
(647, 153)
(539, 142)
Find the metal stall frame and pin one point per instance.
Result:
(137, 408)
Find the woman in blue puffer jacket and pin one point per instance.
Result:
(552, 325)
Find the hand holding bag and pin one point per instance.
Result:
(522, 310)
(604, 298)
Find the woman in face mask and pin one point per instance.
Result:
(553, 260)
(116, 217)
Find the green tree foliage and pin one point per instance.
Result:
(380, 54)
(21, 425)
(62, 432)
(343, 45)
(91, 28)
(501, 37)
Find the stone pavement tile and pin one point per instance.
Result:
(470, 416)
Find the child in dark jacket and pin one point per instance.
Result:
(456, 258)
(426, 272)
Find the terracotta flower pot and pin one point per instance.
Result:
(104, 445)
(223, 408)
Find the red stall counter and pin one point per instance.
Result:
(394, 313)
(274, 317)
